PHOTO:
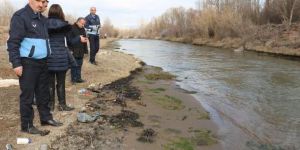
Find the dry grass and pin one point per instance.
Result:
(6, 11)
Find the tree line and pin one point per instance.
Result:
(7, 10)
(219, 19)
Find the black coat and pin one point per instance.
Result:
(78, 48)
(58, 30)
(27, 28)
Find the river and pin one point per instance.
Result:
(254, 98)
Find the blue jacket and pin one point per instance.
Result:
(58, 33)
(28, 36)
(92, 21)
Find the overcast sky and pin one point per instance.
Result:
(122, 13)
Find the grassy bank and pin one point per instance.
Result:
(273, 39)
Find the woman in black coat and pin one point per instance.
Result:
(59, 61)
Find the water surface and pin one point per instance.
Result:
(254, 98)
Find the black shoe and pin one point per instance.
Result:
(65, 108)
(51, 123)
(32, 130)
(80, 81)
(94, 63)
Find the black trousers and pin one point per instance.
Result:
(34, 82)
(76, 70)
(94, 46)
(59, 78)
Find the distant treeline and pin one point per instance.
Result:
(219, 19)
(7, 10)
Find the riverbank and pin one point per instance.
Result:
(237, 45)
(271, 39)
(172, 124)
(143, 111)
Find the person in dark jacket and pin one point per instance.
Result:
(93, 25)
(28, 49)
(79, 49)
(59, 60)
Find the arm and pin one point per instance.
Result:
(88, 23)
(16, 35)
(85, 44)
(99, 22)
(72, 39)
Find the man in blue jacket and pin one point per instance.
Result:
(28, 48)
(93, 25)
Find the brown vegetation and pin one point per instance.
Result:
(108, 29)
(229, 24)
(6, 11)
(221, 18)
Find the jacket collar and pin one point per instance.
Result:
(93, 16)
(33, 14)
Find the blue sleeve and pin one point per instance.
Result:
(17, 33)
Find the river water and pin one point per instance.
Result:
(254, 98)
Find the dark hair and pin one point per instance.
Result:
(56, 12)
(80, 18)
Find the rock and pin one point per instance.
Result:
(9, 147)
(86, 118)
(239, 49)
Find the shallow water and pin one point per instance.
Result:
(254, 98)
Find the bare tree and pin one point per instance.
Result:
(108, 29)
(292, 11)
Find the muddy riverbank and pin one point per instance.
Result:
(143, 111)
(136, 111)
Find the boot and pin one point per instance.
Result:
(65, 108)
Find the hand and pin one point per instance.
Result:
(83, 39)
(18, 71)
